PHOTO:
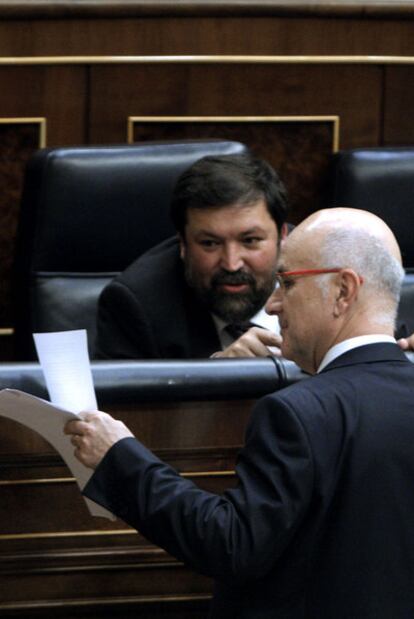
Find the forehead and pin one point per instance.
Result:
(299, 251)
(231, 219)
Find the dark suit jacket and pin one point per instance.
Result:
(149, 312)
(320, 525)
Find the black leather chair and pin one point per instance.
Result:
(86, 213)
(381, 180)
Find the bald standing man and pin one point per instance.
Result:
(320, 523)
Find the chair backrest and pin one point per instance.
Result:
(86, 213)
(380, 180)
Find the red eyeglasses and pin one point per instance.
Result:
(283, 277)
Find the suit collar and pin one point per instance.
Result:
(370, 353)
(352, 342)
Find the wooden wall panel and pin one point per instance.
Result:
(19, 139)
(398, 106)
(352, 92)
(57, 93)
(237, 90)
(174, 34)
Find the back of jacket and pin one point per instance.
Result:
(319, 525)
(351, 555)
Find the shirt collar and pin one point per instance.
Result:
(349, 344)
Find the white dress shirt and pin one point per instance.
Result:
(353, 342)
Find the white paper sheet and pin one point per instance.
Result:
(64, 359)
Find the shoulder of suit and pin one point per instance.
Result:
(161, 264)
(310, 392)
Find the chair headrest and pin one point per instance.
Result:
(380, 180)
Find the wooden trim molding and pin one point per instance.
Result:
(41, 121)
(67, 9)
(136, 120)
(206, 59)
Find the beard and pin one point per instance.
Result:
(231, 306)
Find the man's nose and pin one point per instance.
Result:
(274, 303)
(232, 257)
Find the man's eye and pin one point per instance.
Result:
(287, 283)
(251, 240)
(208, 243)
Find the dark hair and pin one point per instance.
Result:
(218, 181)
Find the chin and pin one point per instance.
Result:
(284, 348)
(236, 311)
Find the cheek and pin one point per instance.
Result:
(203, 264)
(297, 313)
(296, 321)
(263, 262)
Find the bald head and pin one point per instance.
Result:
(340, 278)
(361, 243)
(345, 221)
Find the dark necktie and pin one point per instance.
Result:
(236, 329)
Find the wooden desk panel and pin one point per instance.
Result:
(55, 557)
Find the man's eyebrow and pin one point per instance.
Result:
(203, 232)
(253, 230)
(249, 231)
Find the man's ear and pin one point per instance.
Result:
(284, 232)
(181, 240)
(348, 285)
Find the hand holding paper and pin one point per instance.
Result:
(93, 434)
(65, 363)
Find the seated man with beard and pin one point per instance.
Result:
(192, 296)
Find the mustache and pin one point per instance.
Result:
(236, 278)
